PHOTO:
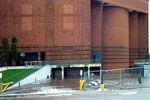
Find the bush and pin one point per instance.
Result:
(8, 51)
(139, 78)
(14, 39)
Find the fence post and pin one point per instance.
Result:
(19, 85)
(84, 81)
(120, 79)
(35, 80)
(140, 71)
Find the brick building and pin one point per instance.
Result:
(69, 31)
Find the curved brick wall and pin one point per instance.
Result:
(138, 5)
(116, 37)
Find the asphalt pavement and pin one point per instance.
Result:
(63, 94)
(69, 90)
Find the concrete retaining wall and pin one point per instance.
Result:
(39, 75)
(13, 67)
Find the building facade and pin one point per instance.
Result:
(69, 31)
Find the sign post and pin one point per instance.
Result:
(81, 81)
(81, 73)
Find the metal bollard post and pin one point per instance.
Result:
(81, 81)
(35, 80)
(19, 85)
(141, 71)
(81, 84)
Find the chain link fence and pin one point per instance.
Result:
(127, 78)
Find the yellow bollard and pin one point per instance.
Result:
(102, 86)
(81, 84)
(1, 87)
(6, 85)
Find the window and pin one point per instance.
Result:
(26, 23)
(68, 9)
(68, 22)
(26, 9)
(68, 17)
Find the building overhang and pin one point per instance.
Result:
(131, 5)
(76, 65)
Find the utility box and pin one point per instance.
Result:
(146, 70)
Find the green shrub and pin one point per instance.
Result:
(9, 51)
(139, 78)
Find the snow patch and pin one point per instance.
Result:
(129, 93)
(53, 91)
(46, 92)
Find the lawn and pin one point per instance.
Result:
(15, 75)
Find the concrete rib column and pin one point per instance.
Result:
(88, 71)
(62, 73)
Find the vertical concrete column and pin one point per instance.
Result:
(39, 56)
(62, 73)
(88, 71)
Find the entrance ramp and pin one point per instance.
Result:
(40, 72)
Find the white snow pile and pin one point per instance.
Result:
(129, 93)
(47, 90)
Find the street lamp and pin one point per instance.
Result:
(101, 52)
(101, 72)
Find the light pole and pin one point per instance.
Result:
(149, 25)
(101, 72)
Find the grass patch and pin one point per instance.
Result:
(15, 75)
